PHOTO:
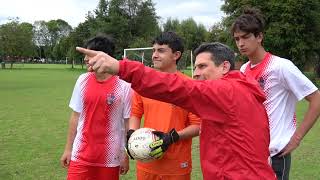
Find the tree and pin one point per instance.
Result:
(41, 38)
(171, 25)
(16, 41)
(60, 49)
(218, 33)
(48, 34)
(27, 47)
(146, 21)
(77, 38)
(192, 33)
(126, 20)
(102, 10)
(57, 30)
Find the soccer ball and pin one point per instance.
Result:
(138, 144)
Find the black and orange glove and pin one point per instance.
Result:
(165, 140)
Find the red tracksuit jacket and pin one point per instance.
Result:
(234, 135)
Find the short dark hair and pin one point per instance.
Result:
(219, 53)
(251, 21)
(102, 43)
(172, 40)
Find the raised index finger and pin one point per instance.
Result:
(88, 52)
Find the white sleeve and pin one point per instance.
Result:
(76, 101)
(127, 100)
(295, 81)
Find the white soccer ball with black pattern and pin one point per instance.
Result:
(138, 144)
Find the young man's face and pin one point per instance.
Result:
(205, 69)
(163, 58)
(247, 43)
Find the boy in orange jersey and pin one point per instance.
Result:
(175, 163)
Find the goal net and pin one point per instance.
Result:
(144, 55)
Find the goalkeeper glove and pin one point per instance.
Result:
(165, 140)
(129, 133)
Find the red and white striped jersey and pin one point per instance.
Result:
(103, 106)
(284, 85)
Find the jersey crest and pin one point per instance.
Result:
(111, 98)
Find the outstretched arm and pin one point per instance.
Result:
(198, 97)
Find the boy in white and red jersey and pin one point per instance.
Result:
(101, 105)
(234, 135)
(284, 85)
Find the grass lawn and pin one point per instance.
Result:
(34, 117)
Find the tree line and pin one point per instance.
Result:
(292, 30)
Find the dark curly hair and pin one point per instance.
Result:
(101, 42)
(251, 21)
(172, 40)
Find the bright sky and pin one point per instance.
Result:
(206, 12)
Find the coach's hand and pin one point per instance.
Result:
(165, 140)
(100, 62)
(130, 131)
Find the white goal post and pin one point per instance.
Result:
(148, 48)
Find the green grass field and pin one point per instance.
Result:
(34, 117)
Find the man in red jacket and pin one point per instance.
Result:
(234, 135)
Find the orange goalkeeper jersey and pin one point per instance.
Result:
(162, 116)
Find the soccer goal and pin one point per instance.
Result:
(144, 55)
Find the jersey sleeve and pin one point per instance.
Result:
(193, 119)
(76, 101)
(137, 106)
(295, 81)
(127, 101)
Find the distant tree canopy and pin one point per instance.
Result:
(292, 30)
(16, 40)
(132, 23)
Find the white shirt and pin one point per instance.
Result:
(284, 85)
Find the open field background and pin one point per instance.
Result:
(34, 117)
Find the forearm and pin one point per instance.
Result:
(126, 128)
(310, 116)
(72, 131)
(189, 132)
(126, 124)
(134, 123)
